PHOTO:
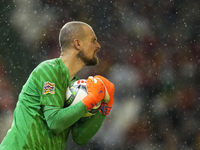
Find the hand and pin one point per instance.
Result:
(96, 92)
(110, 88)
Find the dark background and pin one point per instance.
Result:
(150, 51)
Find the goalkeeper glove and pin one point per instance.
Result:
(109, 88)
(96, 92)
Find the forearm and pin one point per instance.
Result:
(61, 119)
(82, 132)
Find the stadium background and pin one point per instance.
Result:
(150, 51)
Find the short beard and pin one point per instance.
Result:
(88, 62)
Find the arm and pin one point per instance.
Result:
(86, 128)
(60, 119)
(83, 131)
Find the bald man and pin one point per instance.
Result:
(40, 119)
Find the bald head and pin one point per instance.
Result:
(70, 31)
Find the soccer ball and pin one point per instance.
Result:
(76, 92)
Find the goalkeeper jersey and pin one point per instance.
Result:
(45, 86)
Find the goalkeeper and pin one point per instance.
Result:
(40, 119)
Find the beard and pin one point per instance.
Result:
(88, 62)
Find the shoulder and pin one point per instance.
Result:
(48, 65)
(52, 69)
(47, 68)
(51, 63)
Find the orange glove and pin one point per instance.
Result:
(96, 92)
(106, 107)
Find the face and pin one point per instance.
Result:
(90, 47)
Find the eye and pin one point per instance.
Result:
(94, 40)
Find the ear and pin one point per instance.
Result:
(77, 44)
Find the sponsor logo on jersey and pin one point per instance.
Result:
(49, 88)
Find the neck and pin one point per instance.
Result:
(72, 63)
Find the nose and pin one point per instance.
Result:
(98, 45)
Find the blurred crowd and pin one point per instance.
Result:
(150, 51)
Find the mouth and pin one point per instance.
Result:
(95, 53)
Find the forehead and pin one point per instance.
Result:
(89, 32)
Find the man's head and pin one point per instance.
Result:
(80, 36)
